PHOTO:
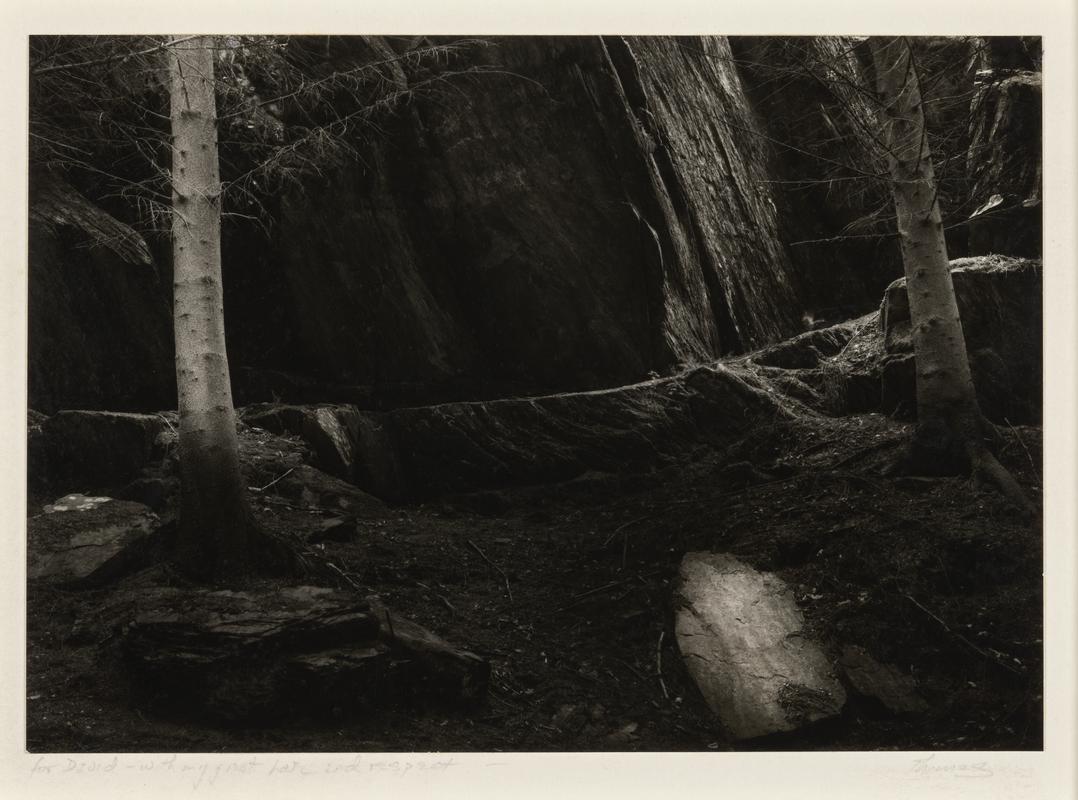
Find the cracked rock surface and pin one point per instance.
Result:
(83, 541)
(740, 635)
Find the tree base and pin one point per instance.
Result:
(937, 451)
(263, 556)
(987, 471)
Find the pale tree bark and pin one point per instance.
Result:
(215, 521)
(951, 432)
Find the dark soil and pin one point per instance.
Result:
(567, 589)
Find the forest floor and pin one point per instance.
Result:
(567, 591)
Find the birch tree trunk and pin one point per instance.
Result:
(951, 431)
(215, 522)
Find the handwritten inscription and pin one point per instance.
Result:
(202, 773)
(930, 765)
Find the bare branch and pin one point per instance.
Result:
(111, 58)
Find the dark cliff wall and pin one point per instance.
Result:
(594, 212)
(1004, 163)
(830, 205)
(99, 314)
(982, 104)
(591, 210)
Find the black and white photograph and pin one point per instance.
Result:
(460, 393)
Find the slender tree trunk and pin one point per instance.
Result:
(951, 431)
(215, 527)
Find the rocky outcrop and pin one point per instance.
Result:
(808, 349)
(999, 300)
(592, 209)
(100, 325)
(983, 110)
(1004, 162)
(316, 456)
(96, 450)
(88, 541)
(882, 683)
(585, 211)
(418, 452)
(842, 248)
(859, 366)
(867, 364)
(329, 431)
(834, 370)
(244, 656)
(744, 642)
(311, 488)
(595, 212)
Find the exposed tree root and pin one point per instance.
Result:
(986, 470)
(266, 556)
(937, 453)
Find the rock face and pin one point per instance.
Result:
(600, 214)
(999, 300)
(90, 544)
(313, 488)
(743, 641)
(98, 450)
(867, 364)
(596, 209)
(243, 656)
(413, 453)
(331, 432)
(983, 105)
(100, 326)
(808, 349)
(788, 83)
(593, 209)
(882, 682)
(1004, 162)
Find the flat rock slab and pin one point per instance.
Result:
(85, 541)
(75, 502)
(302, 650)
(741, 637)
(896, 691)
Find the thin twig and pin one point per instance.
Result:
(598, 589)
(268, 485)
(111, 58)
(441, 597)
(659, 664)
(983, 654)
(505, 577)
(343, 575)
(577, 599)
(1022, 442)
(165, 419)
(622, 527)
(631, 669)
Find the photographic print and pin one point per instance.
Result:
(516, 394)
